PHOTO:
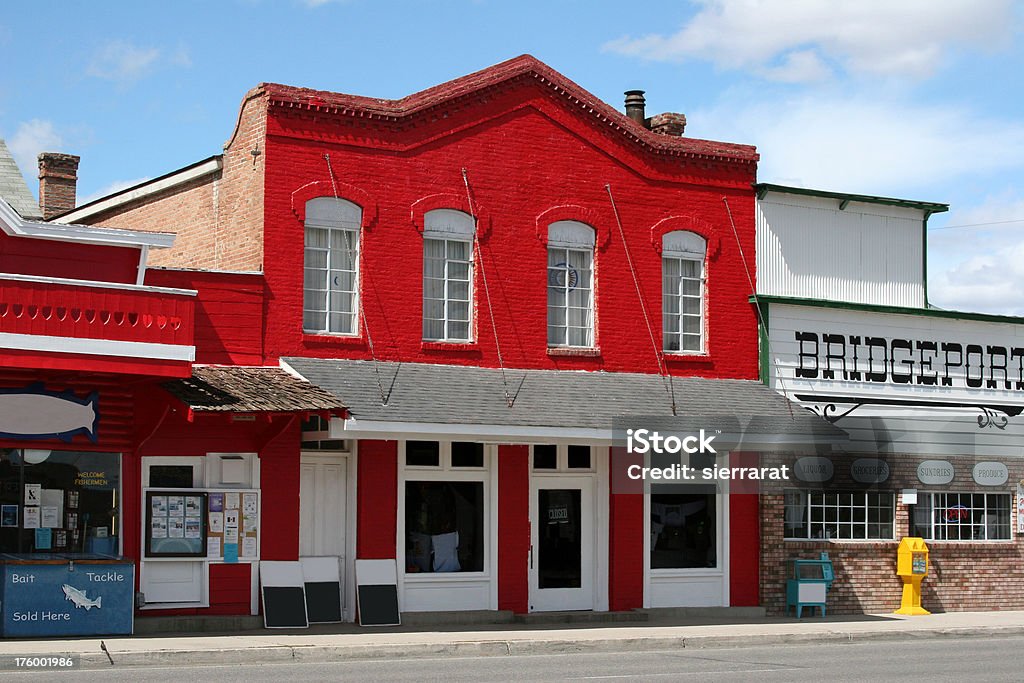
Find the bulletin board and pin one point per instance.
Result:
(175, 523)
(233, 533)
(228, 524)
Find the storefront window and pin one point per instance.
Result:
(962, 516)
(683, 530)
(59, 501)
(839, 515)
(444, 526)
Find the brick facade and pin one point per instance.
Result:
(976, 575)
(218, 218)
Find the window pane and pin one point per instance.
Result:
(458, 331)
(545, 457)
(458, 271)
(556, 336)
(314, 321)
(689, 269)
(444, 522)
(467, 454)
(683, 530)
(433, 329)
(579, 457)
(316, 237)
(434, 249)
(422, 454)
(458, 250)
(433, 289)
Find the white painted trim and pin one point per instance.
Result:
(488, 476)
(351, 428)
(370, 429)
(140, 276)
(96, 347)
(13, 224)
(144, 190)
(96, 284)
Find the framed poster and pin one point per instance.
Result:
(176, 524)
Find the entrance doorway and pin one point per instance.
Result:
(562, 540)
(323, 511)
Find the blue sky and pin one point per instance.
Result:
(915, 99)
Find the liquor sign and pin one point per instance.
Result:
(79, 599)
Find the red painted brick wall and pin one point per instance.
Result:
(377, 500)
(525, 153)
(513, 542)
(626, 552)
(744, 536)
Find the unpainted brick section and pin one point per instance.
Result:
(217, 219)
(963, 576)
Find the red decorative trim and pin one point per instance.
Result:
(689, 224)
(574, 212)
(449, 200)
(324, 188)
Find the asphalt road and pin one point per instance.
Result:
(941, 659)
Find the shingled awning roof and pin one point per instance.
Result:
(552, 402)
(244, 389)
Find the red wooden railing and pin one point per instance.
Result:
(56, 308)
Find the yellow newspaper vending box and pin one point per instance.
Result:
(912, 565)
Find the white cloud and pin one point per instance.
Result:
(874, 37)
(864, 144)
(981, 267)
(111, 188)
(122, 62)
(31, 138)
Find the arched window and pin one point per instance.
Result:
(448, 275)
(331, 272)
(682, 307)
(570, 284)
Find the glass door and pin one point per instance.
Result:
(562, 539)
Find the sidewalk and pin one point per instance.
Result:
(348, 641)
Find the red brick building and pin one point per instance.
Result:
(486, 273)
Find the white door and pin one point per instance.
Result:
(323, 496)
(322, 501)
(562, 551)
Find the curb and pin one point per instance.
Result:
(504, 648)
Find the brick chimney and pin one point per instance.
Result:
(668, 123)
(58, 180)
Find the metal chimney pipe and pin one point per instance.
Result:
(635, 106)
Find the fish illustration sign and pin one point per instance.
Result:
(35, 413)
(79, 598)
(67, 600)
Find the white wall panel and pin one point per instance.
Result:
(866, 253)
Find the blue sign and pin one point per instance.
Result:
(75, 599)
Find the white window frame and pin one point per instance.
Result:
(679, 247)
(562, 459)
(447, 226)
(969, 525)
(570, 242)
(341, 217)
(444, 472)
(859, 500)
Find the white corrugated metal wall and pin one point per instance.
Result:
(867, 253)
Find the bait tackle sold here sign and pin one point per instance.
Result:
(75, 599)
